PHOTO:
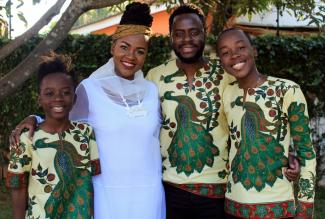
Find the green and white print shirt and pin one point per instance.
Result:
(58, 170)
(262, 126)
(194, 132)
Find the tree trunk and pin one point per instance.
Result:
(16, 77)
(44, 20)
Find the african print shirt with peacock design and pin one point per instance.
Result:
(262, 126)
(58, 170)
(194, 133)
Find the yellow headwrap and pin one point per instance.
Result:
(130, 29)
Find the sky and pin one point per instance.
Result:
(31, 12)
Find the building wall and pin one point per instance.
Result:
(159, 25)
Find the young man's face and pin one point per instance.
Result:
(236, 54)
(56, 96)
(188, 37)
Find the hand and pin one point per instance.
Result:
(28, 123)
(293, 172)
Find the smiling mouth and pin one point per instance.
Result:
(188, 48)
(58, 109)
(128, 64)
(239, 65)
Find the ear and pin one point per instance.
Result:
(255, 52)
(112, 48)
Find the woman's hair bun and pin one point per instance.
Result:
(137, 13)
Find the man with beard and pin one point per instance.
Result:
(194, 134)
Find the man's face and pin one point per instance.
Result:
(188, 37)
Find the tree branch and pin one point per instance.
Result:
(16, 77)
(94, 4)
(44, 20)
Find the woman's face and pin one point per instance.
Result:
(129, 54)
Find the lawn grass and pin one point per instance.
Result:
(5, 203)
(320, 203)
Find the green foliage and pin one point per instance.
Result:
(296, 58)
(88, 53)
(95, 15)
(222, 10)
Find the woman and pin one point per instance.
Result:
(123, 108)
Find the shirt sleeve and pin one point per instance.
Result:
(94, 156)
(153, 75)
(19, 163)
(300, 134)
(80, 110)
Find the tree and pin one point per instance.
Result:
(223, 10)
(17, 76)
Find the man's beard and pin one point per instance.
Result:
(193, 59)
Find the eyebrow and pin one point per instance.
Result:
(51, 88)
(128, 44)
(238, 41)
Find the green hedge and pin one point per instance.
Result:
(295, 58)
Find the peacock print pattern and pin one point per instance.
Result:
(59, 167)
(265, 123)
(260, 156)
(194, 134)
(192, 145)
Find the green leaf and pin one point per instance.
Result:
(21, 3)
(36, 2)
(22, 18)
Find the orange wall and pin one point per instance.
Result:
(159, 25)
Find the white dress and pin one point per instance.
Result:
(130, 184)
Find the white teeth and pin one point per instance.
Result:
(128, 64)
(238, 66)
(188, 49)
(58, 108)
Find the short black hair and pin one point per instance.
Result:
(186, 9)
(137, 13)
(235, 29)
(55, 63)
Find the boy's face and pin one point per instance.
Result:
(188, 37)
(236, 54)
(56, 96)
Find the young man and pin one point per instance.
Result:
(194, 134)
(266, 115)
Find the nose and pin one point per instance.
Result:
(235, 53)
(58, 96)
(187, 36)
(130, 54)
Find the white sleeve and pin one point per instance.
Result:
(38, 119)
(80, 110)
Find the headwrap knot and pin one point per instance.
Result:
(130, 29)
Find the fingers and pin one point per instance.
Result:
(14, 136)
(294, 164)
(291, 175)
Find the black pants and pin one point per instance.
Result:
(181, 204)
